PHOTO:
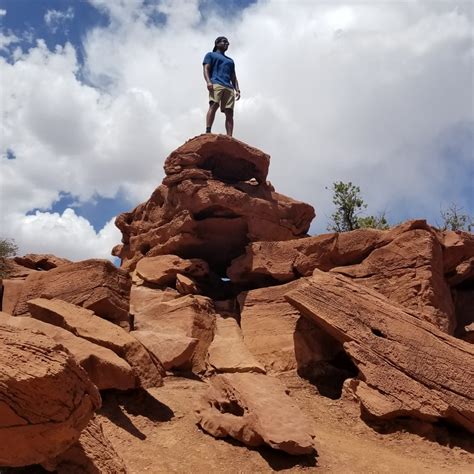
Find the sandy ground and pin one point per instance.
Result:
(156, 432)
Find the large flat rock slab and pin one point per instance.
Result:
(174, 351)
(276, 333)
(46, 399)
(93, 284)
(105, 368)
(228, 352)
(254, 409)
(407, 366)
(84, 323)
(190, 316)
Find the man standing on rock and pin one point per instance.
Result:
(222, 84)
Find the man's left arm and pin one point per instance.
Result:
(235, 83)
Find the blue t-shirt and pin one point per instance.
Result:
(222, 68)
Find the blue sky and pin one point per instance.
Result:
(96, 93)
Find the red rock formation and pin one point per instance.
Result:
(94, 284)
(255, 409)
(163, 269)
(46, 399)
(412, 264)
(105, 368)
(12, 289)
(83, 323)
(407, 366)
(198, 213)
(91, 454)
(41, 261)
(191, 316)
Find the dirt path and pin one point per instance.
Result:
(157, 433)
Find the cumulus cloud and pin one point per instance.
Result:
(376, 93)
(70, 235)
(55, 18)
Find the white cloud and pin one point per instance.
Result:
(367, 92)
(6, 40)
(70, 236)
(3, 12)
(54, 18)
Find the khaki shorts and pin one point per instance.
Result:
(222, 95)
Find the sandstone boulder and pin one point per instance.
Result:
(224, 157)
(175, 351)
(228, 352)
(272, 262)
(186, 285)
(205, 217)
(85, 324)
(46, 399)
(94, 284)
(105, 368)
(409, 271)
(12, 289)
(407, 366)
(406, 264)
(458, 246)
(91, 454)
(41, 261)
(189, 316)
(254, 409)
(163, 269)
(276, 334)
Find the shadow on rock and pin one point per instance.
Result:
(277, 460)
(33, 469)
(441, 432)
(116, 406)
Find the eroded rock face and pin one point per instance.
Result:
(92, 454)
(228, 352)
(84, 323)
(191, 316)
(12, 289)
(409, 271)
(198, 213)
(163, 269)
(105, 368)
(275, 334)
(408, 264)
(93, 284)
(175, 351)
(407, 366)
(41, 261)
(46, 399)
(225, 158)
(254, 409)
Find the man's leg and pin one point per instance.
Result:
(211, 114)
(229, 121)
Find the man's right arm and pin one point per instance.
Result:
(207, 76)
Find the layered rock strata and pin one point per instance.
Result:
(93, 284)
(205, 209)
(407, 367)
(412, 264)
(46, 399)
(92, 454)
(105, 368)
(85, 324)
